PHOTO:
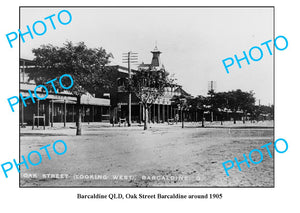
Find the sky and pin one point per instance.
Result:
(193, 41)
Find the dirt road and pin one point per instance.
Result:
(161, 156)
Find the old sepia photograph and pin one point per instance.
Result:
(146, 96)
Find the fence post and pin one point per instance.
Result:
(33, 121)
(44, 121)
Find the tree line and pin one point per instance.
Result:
(236, 103)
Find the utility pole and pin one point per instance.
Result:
(211, 89)
(129, 58)
(129, 95)
(212, 113)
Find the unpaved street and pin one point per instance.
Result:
(161, 156)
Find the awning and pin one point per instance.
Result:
(86, 99)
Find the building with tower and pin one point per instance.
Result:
(109, 105)
(161, 111)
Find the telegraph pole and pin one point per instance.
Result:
(129, 95)
(211, 89)
(212, 113)
(129, 57)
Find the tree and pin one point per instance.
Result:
(246, 102)
(220, 103)
(193, 107)
(202, 105)
(239, 100)
(211, 93)
(183, 105)
(87, 66)
(148, 86)
(261, 111)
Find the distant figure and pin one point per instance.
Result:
(176, 118)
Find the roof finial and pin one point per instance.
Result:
(155, 48)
